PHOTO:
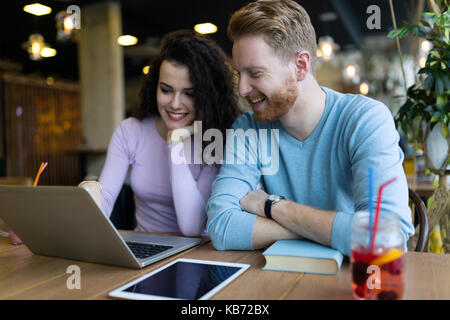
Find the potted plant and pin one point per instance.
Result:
(425, 116)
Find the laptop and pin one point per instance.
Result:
(66, 222)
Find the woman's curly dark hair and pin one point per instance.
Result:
(215, 99)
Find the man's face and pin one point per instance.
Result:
(267, 83)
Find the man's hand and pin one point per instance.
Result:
(254, 201)
(179, 135)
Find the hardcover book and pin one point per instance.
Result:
(302, 256)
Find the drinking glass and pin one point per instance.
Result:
(377, 274)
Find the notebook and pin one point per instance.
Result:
(66, 222)
(302, 256)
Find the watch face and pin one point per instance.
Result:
(273, 197)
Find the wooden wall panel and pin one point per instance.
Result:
(42, 124)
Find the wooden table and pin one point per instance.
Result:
(24, 275)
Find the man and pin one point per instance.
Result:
(327, 141)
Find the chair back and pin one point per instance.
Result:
(419, 210)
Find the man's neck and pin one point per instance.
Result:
(305, 115)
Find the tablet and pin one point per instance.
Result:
(182, 279)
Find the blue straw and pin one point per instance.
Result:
(370, 201)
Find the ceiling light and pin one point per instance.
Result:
(364, 88)
(34, 46)
(48, 52)
(127, 40)
(66, 26)
(327, 47)
(146, 69)
(351, 73)
(205, 28)
(37, 9)
(350, 70)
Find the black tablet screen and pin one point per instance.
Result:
(184, 280)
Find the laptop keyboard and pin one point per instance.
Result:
(145, 250)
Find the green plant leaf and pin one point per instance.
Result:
(440, 102)
(447, 106)
(446, 80)
(428, 100)
(394, 33)
(403, 33)
(424, 23)
(436, 117)
(435, 54)
(444, 130)
(428, 83)
(439, 86)
(429, 109)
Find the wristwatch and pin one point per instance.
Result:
(270, 201)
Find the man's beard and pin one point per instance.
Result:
(279, 103)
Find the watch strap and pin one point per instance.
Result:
(268, 205)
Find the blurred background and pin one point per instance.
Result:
(70, 71)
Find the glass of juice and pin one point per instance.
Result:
(377, 275)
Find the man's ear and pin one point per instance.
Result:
(302, 64)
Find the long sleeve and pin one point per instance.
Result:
(327, 171)
(119, 156)
(190, 191)
(373, 140)
(229, 227)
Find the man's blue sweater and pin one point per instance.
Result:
(328, 171)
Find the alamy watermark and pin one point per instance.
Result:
(250, 147)
(374, 20)
(74, 12)
(74, 281)
(374, 280)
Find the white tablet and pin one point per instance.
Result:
(182, 279)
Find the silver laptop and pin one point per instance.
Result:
(66, 222)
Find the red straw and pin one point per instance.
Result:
(377, 213)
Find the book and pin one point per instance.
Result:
(302, 256)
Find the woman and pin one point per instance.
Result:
(189, 81)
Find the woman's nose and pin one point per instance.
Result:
(175, 103)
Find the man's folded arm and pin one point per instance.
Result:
(229, 227)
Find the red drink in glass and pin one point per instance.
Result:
(378, 275)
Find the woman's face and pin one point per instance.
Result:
(175, 95)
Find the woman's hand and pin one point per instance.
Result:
(94, 189)
(254, 201)
(179, 135)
